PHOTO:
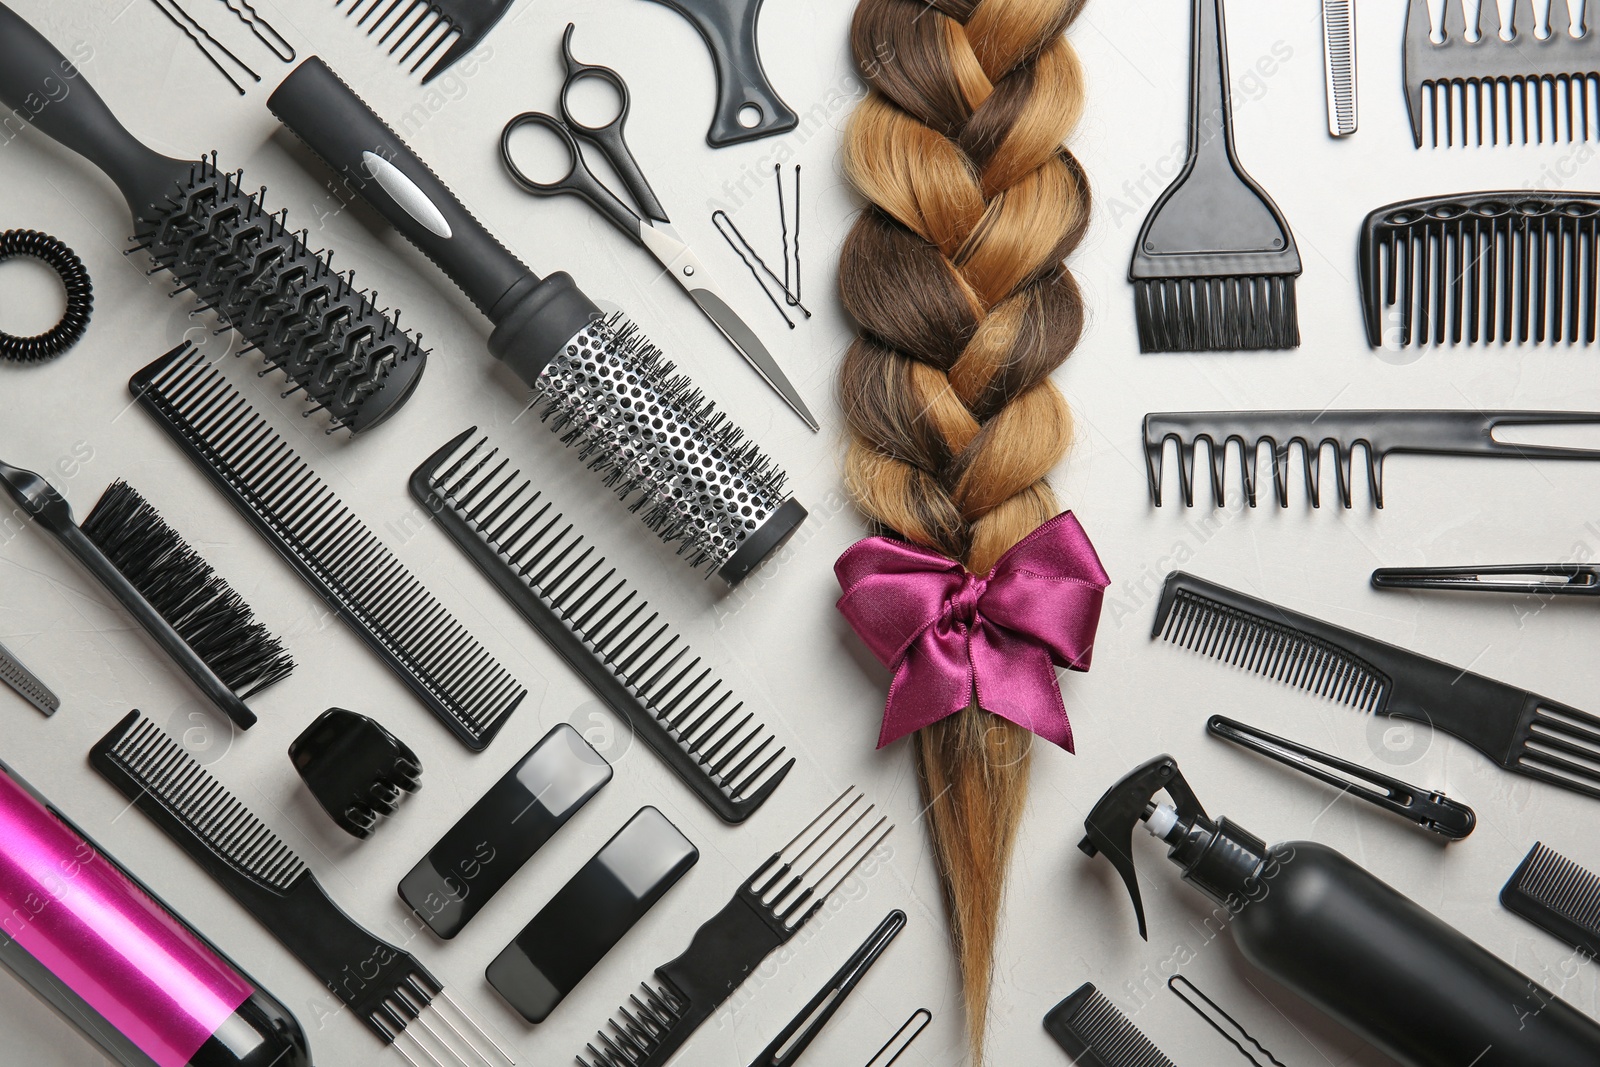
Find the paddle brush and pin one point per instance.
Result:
(197, 222)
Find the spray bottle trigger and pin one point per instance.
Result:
(1109, 827)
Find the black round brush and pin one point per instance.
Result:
(217, 240)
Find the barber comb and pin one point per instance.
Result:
(1504, 84)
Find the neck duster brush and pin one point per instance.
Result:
(198, 223)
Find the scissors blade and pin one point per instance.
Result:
(687, 270)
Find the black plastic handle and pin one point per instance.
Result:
(374, 163)
(729, 29)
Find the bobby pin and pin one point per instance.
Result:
(1233, 1026)
(186, 23)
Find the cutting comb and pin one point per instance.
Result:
(1494, 266)
(1503, 84)
(27, 684)
(1558, 896)
(387, 988)
(1523, 732)
(601, 626)
(768, 911)
(1378, 433)
(413, 24)
(1091, 1030)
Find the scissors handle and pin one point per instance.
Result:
(579, 180)
(609, 137)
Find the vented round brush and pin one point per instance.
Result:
(220, 243)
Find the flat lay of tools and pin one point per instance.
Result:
(697, 665)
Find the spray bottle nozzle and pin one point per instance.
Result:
(1108, 830)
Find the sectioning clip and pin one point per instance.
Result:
(1534, 579)
(1429, 809)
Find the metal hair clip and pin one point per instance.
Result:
(1542, 579)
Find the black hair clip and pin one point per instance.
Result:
(357, 770)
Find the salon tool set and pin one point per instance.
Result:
(1521, 731)
(1510, 267)
(1215, 265)
(415, 23)
(1558, 896)
(1091, 1030)
(1484, 84)
(53, 253)
(208, 46)
(196, 221)
(1427, 808)
(646, 224)
(604, 388)
(27, 684)
(590, 914)
(748, 107)
(357, 771)
(1378, 433)
(901, 1039)
(1339, 65)
(1220, 1021)
(488, 845)
(769, 909)
(295, 512)
(1400, 978)
(387, 989)
(591, 616)
(202, 625)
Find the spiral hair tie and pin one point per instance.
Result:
(80, 296)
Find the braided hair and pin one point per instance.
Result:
(954, 275)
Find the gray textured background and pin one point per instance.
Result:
(778, 638)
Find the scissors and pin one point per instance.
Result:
(649, 225)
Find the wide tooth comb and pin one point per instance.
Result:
(279, 494)
(593, 619)
(1558, 896)
(1095, 1034)
(1378, 433)
(1500, 84)
(768, 911)
(419, 28)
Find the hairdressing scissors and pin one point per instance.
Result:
(649, 225)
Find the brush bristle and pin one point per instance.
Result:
(198, 603)
(1217, 314)
(352, 360)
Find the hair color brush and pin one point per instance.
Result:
(601, 385)
(196, 618)
(197, 222)
(1215, 265)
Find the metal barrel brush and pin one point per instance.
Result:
(196, 221)
(690, 472)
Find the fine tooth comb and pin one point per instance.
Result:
(415, 23)
(1512, 266)
(1523, 732)
(767, 911)
(387, 988)
(1091, 1030)
(1378, 433)
(202, 625)
(1339, 59)
(1502, 84)
(218, 242)
(27, 684)
(1558, 896)
(279, 494)
(593, 619)
(1215, 265)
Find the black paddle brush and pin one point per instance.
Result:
(217, 240)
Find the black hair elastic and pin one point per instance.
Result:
(74, 278)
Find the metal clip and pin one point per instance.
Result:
(1567, 579)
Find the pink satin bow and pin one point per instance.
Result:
(947, 633)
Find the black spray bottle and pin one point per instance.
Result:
(1411, 985)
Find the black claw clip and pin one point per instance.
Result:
(357, 770)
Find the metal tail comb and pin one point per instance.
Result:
(1503, 84)
(388, 989)
(1095, 1034)
(422, 27)
(1512, 266)
(1558, 896)
(591, 617)
(767, 911)
(1378, 433)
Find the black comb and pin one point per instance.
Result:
(1523, 732)
(1558, 896)
(605, 631)
(1482, 267)
(387, 988)
(1508, 89)
(767, 911)
(1378, 433)
(1095, 1034)
(298, 515)
(413, 24)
